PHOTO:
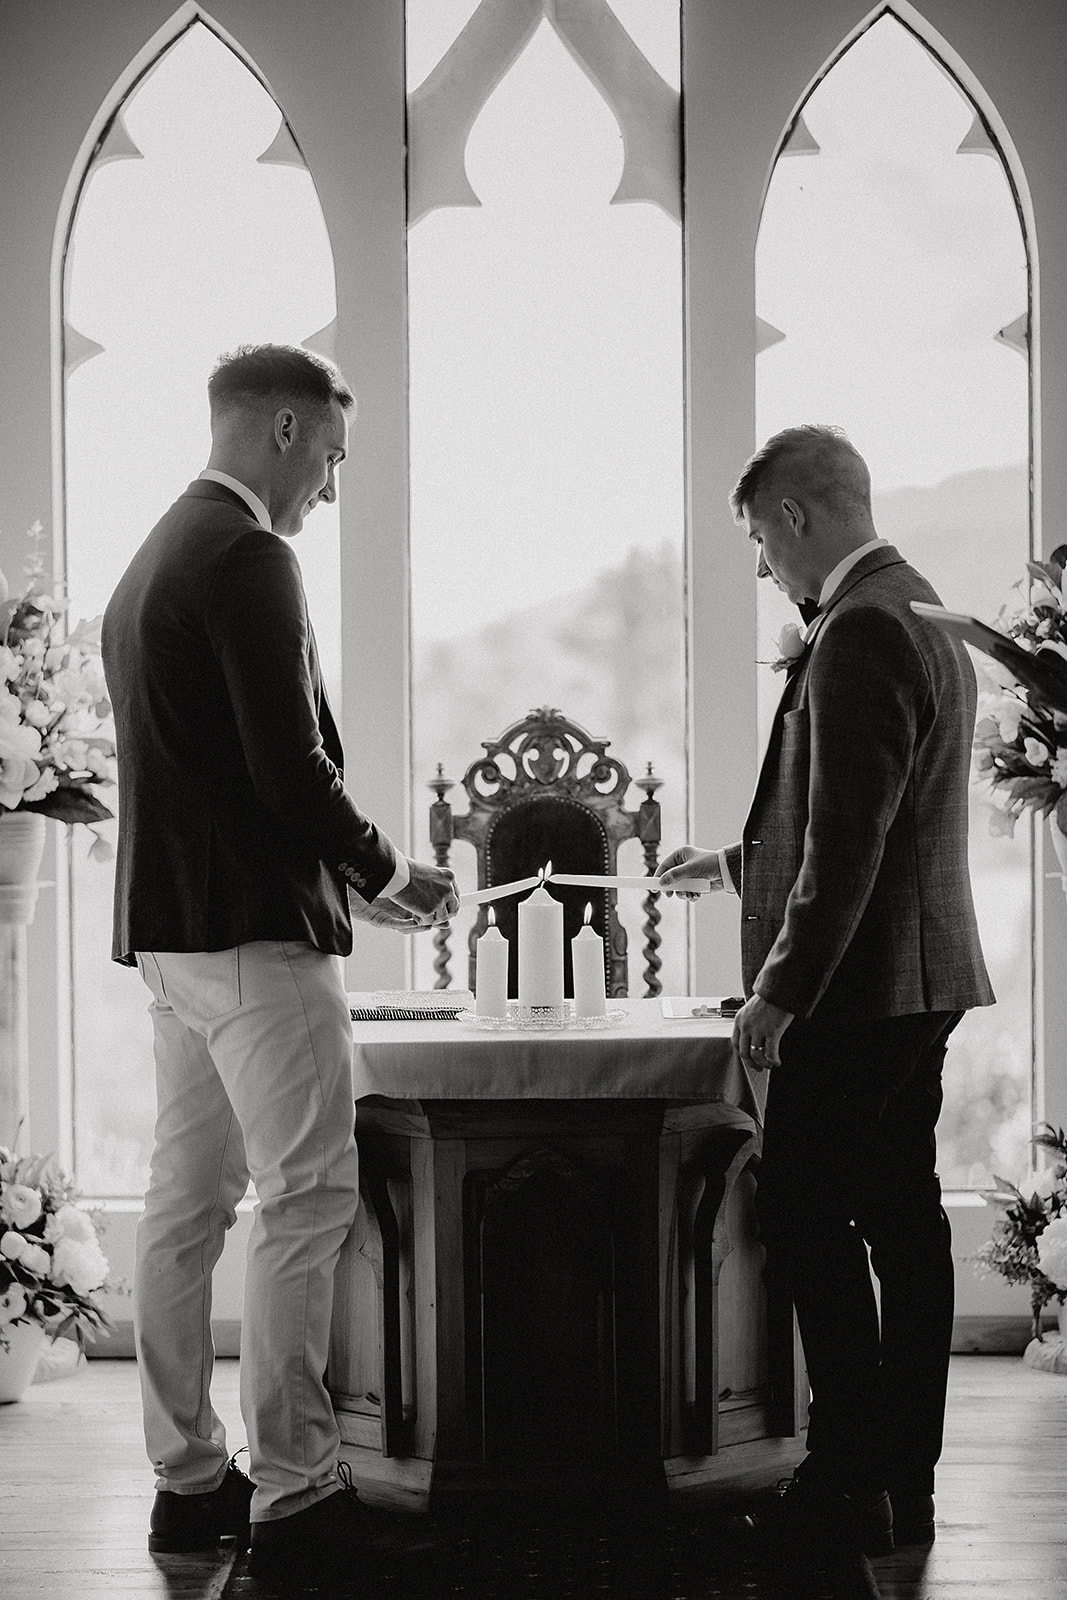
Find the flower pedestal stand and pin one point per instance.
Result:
(1049, 1354)
(22, 841)
(19, 1361)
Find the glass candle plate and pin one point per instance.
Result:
(539, 1018)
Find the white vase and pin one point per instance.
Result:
(19, 1361)
(1049, 1354)
(22, 839)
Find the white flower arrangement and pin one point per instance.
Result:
(1020, 742)
(57, 738)
(1029, 1243)
(51, 1263)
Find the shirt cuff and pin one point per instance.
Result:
(725, 873)
(400, 879)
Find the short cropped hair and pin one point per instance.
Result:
(278, 373)
(814, 459)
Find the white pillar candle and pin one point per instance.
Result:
(491, 972)
(540, 950)
(587, 958)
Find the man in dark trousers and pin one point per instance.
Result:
(239, 847)
(859, 953)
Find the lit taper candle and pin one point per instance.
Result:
(491, 972)
(587, 958)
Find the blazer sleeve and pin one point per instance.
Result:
(867, 682)
(258, 625)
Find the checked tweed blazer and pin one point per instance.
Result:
(234, 822)
(855, 889)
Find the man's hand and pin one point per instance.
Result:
(430, 896)
(758, 1030)
(385, 914)
(689, 862)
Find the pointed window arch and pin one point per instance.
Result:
(196, 228)
(545, 285)
(893, 289)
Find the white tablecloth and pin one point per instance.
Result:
(645, 1056)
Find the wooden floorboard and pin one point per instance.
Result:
(75, 1496)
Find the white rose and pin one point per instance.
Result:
(1052, 1252)
(70, 1222)
(790, 642)
(35, 1259)
(20, 1205)
(79, 1262)
(1035, 752)
(13, 1246)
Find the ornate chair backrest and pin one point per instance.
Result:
(546, 790)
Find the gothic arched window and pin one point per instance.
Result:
(545, 285)
(893, 296)
(196, 229)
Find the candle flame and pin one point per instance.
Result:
(587, 919)
(546, 871)
(491, 918)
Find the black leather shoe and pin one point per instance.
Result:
(186, 1522)
(339, 1536)
(913, 1518)
(809, 1518)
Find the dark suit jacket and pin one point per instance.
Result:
(234, 823)
(855, 888)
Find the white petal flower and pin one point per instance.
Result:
(1052, 1252)
(70, 1222)
(1035, 752)
(20, 1205)
(80, 1263)
(35, 1259)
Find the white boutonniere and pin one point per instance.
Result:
(790, 647)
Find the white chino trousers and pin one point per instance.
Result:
(253, 1054)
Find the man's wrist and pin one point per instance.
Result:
(400, 879)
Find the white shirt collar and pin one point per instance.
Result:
(252, 501)
(833, 579)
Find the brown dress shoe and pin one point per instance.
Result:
(187, 1522)
(339, 1536)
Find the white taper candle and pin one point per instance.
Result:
(491, 972)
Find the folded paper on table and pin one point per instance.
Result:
(1043, 672)
(499, 891)
(698, 1008)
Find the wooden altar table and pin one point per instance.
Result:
(554, 1283)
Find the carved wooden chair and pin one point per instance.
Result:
(546, 790)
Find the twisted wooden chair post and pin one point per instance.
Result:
(441, 833)
(648, 831)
